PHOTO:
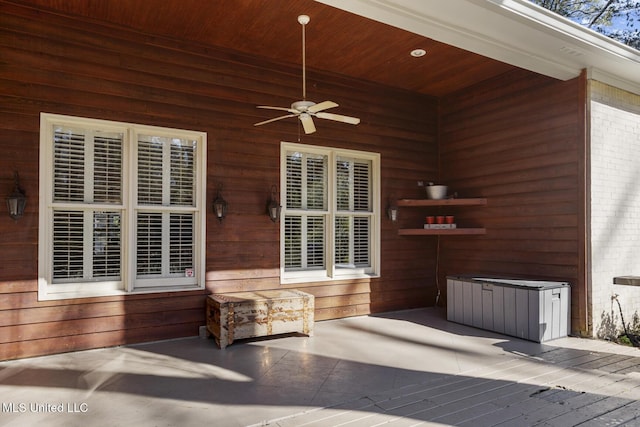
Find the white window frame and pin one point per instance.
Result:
(332, 271)
(128, 282)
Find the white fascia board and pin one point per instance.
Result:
(562, 28)
(516, 32)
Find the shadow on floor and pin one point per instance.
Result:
(413, 364)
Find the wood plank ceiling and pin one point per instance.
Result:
(337, 42)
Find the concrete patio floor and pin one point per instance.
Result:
(402, 368)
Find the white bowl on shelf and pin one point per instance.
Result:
(436, 192)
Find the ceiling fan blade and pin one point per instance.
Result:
(273, 120)
(338, 118)
(267, 107)
(307, 123)
(325, 105)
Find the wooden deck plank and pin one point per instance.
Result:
(594, 410)
(515, 392)
(624, 414)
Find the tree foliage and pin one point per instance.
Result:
(617, 19)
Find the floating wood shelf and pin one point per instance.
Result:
(480, 201)
(443, 202)
(447, 231)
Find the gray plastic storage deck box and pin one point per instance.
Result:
(529, 309)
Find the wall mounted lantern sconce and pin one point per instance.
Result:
(220, 205)
(392, 212)
(273, 207)
(16, 200)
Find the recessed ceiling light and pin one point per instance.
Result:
(417, 53)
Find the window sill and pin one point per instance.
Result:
(296, 280)
(57, 296)
(627, 280)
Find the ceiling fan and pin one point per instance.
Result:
(306, 110)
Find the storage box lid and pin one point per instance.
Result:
(521, 283)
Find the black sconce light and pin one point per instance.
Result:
(220, 205)
(392, 212)
(273, 207)
(16, 200)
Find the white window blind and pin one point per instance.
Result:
(150, 171)
(306, 181)
(330, 213)
(166, 181)
(181, 241)
(353, 239)
(293, 242)
(87, 173)
(183, 157)
(107, 170)
(87, 166)
(69, 148)
(305, 230)
(352, 228)
(149, 244)
(68, 245)
(107, 244)
(93, 214)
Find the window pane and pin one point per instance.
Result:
(183, 155)
(362, 186)
(344, 185)
(306, 181)
(353, 185)
(68, 245)
(181, 242)
(361, 241)
(68, 165)
(294, 180)
(107, 244)
(313, 256)
(352, 241)
(149, 243)
(166, 171)
(107, 172)
(316, 182)
(315, 242)
(292, 242)
(343, 237)
(150, 153)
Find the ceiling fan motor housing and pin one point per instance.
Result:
(302, 105)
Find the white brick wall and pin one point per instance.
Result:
(615, 204)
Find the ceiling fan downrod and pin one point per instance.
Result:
(304, 20)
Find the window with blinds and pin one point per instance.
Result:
(166, 179)
(93, 215)
(87, 173)
(330, 213)
(307, 192)
(354, 208)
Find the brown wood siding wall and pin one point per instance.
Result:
(519, 142)
(57, 64)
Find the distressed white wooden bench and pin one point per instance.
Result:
(240, 315)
